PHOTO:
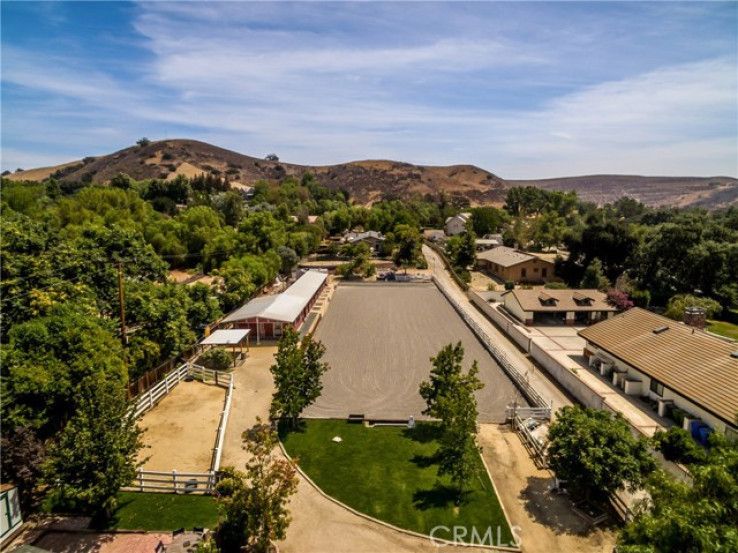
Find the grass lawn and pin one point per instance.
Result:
(729, 330)
(164, 511)
(390, 473)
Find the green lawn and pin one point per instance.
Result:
(164, 511)
(390, 473)
(729, 330)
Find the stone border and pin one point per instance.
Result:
(434, 541)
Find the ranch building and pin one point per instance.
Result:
(267, 316)
(513, 265)
(686, 374)
(569, 307)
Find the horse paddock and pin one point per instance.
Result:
(180, 431)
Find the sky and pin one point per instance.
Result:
(522, 89)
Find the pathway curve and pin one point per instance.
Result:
(318, 525)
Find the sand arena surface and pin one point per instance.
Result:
(379, 339)
(180, 429)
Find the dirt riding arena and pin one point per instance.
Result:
(180, 430)
(379, 339)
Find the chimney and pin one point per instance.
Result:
(695, 317)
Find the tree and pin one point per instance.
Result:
(408, 243)
(678, 445)
(679, 303)
(253, 504)
(97, 450)
(684, 518)
(289, 259)
(449, 396)
(360, 263)
(596, 452)
(619, 300)
(487, 220)
(594, 277)
(297, 375)
(217, 359)
(22, 464)
(462, 250)
(143, 141)
(271, 157)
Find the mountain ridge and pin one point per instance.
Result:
(368, 180)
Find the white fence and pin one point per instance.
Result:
(220, 436)
(178, 482)
(153, 395)
(209, 376)
(525, 387)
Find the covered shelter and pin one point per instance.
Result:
(268, 316)
(532, 307)
(229, 337)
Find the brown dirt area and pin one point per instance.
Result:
(180, 431)
(72, 542)
(546, 520)
(379, 339)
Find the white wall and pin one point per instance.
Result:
(679, 400)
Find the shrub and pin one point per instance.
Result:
(509, 285)
(166, 156)
(556, 286)
(143, 141)
(217, 359)
(677, 445)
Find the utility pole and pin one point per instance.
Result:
(123, 337)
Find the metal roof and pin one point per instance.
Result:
(226, 337)
(688, 361)
(284, 307)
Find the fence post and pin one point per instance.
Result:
(216, 378)
(140, 478)
(174, 480)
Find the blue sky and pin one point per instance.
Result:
(522, 89)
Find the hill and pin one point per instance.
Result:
(371, 180)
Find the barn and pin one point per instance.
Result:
(267, 316)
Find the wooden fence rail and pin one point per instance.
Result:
(178, 482)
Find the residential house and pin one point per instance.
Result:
(457, 224)
(570, 307)
(516, 266)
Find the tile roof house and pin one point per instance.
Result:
(511, 264)
(568, 306)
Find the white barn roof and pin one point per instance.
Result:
(226, 337)
(284, 307)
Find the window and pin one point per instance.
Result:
(657, 387)
(544, 272)
(523, 272)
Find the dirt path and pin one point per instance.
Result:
(180, 430)
(547, 523)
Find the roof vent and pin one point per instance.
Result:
(660, 329)
(734, 355)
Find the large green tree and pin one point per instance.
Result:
(596, 453)
(450, 396)
(297, 375)
(684, 518)
(97, 450)
(408, 244)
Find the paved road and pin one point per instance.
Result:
(538, 379)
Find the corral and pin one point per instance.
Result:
(180, 431)
(379, 339)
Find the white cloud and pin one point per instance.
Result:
(255, 78)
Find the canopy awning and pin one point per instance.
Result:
(226, 337)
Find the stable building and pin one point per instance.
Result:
(687, 374)
(267, 316)
(568, 307)
(516, 266)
